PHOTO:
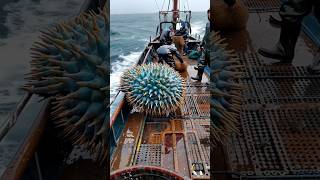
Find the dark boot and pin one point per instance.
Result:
(284, 49)
(199, 75)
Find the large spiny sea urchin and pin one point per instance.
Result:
(154, 89)
(225, 91)
(71, 64)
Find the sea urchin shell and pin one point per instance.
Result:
(154, 89)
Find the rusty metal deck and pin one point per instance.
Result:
(279, 128)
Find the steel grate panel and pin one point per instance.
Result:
(249, 59)
(282, 72)
(249, 93)
(299, 131)
(202, 128)
(195, 159)
(262, 5)
(289, 90)
(197, 106)
(197, 88)
(149, 154)
(277, 141)
(279, 127)
(255, 150)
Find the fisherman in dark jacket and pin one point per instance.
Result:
(183, 31)
(166, 35)
(166, 52)
(205, 58)
(292, 13)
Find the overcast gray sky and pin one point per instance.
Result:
(150, 6)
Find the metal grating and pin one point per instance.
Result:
(197, 88)
(254, 149)
(279, 127)
(264, 72)
(279, 141)
(197, 106)
(289, 90)
(249, 93)
(195, 159)
(149, 154)
(299, 131)
(202, 128)
(249, 59)
(262, 5)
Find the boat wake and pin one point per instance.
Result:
(122, 63)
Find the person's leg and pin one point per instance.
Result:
(292, 13)
(201, 65)
(170, 61)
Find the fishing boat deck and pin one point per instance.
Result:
(179, 143)
(279, 123)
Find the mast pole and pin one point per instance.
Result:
(175, 11)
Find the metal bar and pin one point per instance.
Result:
(146, 56)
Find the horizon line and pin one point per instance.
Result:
(143, 13)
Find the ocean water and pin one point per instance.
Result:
(20, 22)
(130, 33)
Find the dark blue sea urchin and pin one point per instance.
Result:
(71, 64)
(154, 89)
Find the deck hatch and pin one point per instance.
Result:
(149, 154)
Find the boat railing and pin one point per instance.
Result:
(119, 109)
(118, 100)
(13, 116)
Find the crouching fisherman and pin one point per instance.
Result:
(166, 52)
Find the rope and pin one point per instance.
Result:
(188, 4)
(157, 5)
(163, 4)
(169, 5)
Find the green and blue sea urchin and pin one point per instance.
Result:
(71, 65)
(154, 89)
(225, 91)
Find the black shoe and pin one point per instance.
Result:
(199, 75)
(197, 78)
(284, 49)
(276, 53)
(274, 21)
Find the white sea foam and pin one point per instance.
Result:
(198, 28)
(118, 67)
(26, 16)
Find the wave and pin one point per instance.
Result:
(27, 16)
(198, 28)
(123, 63)
(113, 33)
